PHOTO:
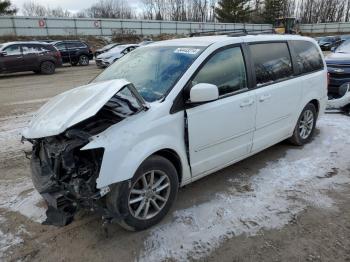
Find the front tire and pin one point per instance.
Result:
(305, 128)
(148, 197)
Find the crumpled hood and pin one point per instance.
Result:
(72, 107)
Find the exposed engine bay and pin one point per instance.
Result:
(64, 174)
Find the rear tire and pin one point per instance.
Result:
(146, 200)
(83, 60)
(47, 68)
(305, 127)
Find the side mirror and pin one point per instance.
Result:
(204, 93)
(3, 53)
(333, 49)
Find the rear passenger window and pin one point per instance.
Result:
(31, 49)
(272, 62)
(225, 69)
(308, 58)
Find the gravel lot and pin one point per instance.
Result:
(284, 204)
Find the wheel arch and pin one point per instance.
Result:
(174, 158)
(316, 103)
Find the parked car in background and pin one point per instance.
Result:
(105, 49)
(29, 56)
(74, 52)
(338, 64)
(146, 42)
(344, 38)
(168, 114)
(328, 42)
(108, 58)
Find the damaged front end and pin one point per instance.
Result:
(64, 174)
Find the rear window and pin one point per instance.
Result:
(308, 58)
(76, 45)
(272, 62)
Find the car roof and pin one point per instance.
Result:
(209, 40)
(24, 42)
(67, 41)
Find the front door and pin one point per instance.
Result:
(12, 60)
(221, 131)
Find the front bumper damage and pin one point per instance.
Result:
(63, 172)
(65, 176)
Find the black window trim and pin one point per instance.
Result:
(179, 102)
(294, 75)
(294, 57)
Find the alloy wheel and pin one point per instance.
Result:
(149, 194)
(306, 124)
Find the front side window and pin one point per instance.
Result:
(153, 70)
(13, 50)
(308, 58)
(225, 69)
(272, 62)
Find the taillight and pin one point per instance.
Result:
(58, 54)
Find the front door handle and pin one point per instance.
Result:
(264, 98)
(247, 103)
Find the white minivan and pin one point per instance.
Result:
(168, 114)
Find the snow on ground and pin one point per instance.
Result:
(10, 136)
(278, 192)
(20, 196)
(7, 240)
(17, 195)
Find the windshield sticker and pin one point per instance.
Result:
(189, 51)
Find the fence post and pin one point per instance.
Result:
(75, 27)
(14, 25)
(176, 27)
(47, 28)
(160, 27)
(141, 27)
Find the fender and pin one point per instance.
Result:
(120, 161)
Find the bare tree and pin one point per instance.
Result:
(110, 9)
(32, 8)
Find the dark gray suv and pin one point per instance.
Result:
(29, 56)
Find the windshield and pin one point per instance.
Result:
(326, 40)
(117, 49)
(344, 47)
(1, 46)
(153, 70)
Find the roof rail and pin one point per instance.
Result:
(233, 33)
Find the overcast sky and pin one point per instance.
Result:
(72, 5)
